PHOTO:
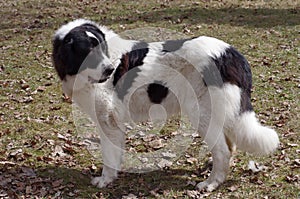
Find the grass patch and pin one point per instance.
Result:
(40, 146)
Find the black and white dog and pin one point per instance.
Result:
(116, 81)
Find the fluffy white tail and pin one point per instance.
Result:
(250, 136)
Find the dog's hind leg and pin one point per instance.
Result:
(112, 145)
(221, 158)
(211, 127)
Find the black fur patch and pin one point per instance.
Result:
(129, 67)
(212, 76)
(231, 67)
(70, 53)
(157, 92)
(173, 45)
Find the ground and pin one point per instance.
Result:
(41, 152)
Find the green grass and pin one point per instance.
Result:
(266, 32)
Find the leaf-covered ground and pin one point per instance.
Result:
(41, 153)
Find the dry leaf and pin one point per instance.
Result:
(168, 155)
(58, 151)
(156, 144)
(41, 88)
(15, 152)
(130, 196)
(193, 193)
(57, 183)
(255, 167)
(192, 160)
(164, 163)
(28, 171)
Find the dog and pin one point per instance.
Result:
(115, 81)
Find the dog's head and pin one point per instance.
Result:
(79, 47)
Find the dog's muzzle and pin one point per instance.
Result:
(108, 71)
(105, 75)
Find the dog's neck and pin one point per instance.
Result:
(117, 46)
(85, 94)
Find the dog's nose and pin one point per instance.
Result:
(108, 70)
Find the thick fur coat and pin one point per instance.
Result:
(116, 81)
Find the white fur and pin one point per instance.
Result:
(214, 111)
(65, 29)
(92, 35)
(251, 136)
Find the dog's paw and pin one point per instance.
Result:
(101, 182)
(207, 186)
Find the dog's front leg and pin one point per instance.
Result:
(112, 145)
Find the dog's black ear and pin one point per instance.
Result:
(56, 57)
(56, 43)
(122, 69)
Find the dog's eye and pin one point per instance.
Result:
(68, 40)
(94, 41)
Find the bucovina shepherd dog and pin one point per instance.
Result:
(116, 81)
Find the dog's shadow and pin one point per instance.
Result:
(159, 183)
(139, 184)
(150, 184)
